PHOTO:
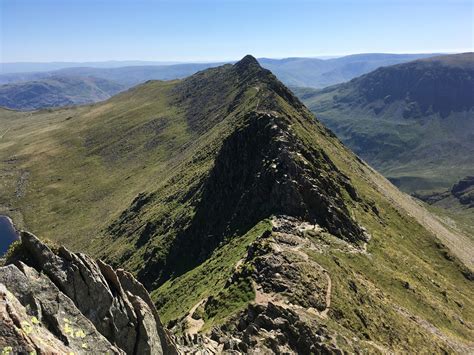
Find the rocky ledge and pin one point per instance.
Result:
(63, 302)
(464, 191)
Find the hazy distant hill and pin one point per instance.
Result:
(317, 73)
(128, 75)
(413, 121)
(39, 93)
(23, 67)
(307, 72)
(57, 91)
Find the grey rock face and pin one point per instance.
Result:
(272, 329)
(84, 304)
(37, 316)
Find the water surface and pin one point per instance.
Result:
(8, 234)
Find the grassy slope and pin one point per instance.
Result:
(454, 214)
(402, 251)
(85, 165)
(177, 296)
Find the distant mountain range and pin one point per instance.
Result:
(462, 192)
(23, 67)
(310, 72)
(318, 73)
(414, 122)
(57, 91)
(128, 75)
(306, 72)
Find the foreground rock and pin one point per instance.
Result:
(62, 302)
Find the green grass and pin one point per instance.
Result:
(455, 215)
(178, 295)
(86, 164)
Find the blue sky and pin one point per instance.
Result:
(207, 30)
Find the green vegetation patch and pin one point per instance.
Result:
(176, 297)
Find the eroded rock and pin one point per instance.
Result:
(78, 304)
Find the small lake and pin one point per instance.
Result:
(8, 234)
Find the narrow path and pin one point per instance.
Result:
(264, 298)
(324, 313)
(194, 325)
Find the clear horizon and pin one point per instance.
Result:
(212, 31)
(323, 57)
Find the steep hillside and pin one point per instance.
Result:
(252, 225)
(413, 122)
(57, 91)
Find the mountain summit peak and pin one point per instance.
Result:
(248, 62)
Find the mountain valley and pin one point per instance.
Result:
(413, 122)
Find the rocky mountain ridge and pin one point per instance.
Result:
(63, 302)
(262, 156)
(253, 227)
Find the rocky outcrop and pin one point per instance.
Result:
(272, 328)
(292, 297)
(66, 302)
(301, 179)
(464, 191)
(264, 169)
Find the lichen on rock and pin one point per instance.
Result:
(66, 302)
